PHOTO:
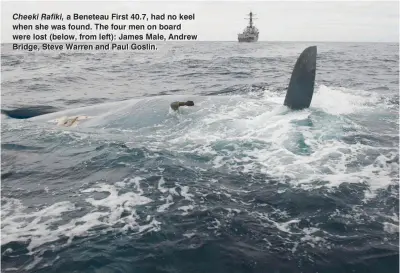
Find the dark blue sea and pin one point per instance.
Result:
(237, 183)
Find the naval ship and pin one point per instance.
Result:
(250, 33)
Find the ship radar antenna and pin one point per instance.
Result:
(251, 19)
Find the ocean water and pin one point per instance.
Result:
(237, 183)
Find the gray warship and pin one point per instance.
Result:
(250, 33)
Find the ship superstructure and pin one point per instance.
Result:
(250, 33)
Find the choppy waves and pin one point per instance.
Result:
(237, 183)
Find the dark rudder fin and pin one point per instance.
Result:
(301, 86)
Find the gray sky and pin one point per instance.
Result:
(364, 21)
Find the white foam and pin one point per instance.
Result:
(278, 132)
(161, 184)
(117, 204)
(215, 224)
(234, 133)
(169, 202)
(313, 240)
(339, 101)
(20, 226)
(116, 211)
(186, 209)
(169, 193)
(185, 193)
(390, 228)
(296, 238)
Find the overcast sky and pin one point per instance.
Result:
(364, 21)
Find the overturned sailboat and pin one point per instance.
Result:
(298, 96)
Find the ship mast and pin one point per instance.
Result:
(251, 19)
